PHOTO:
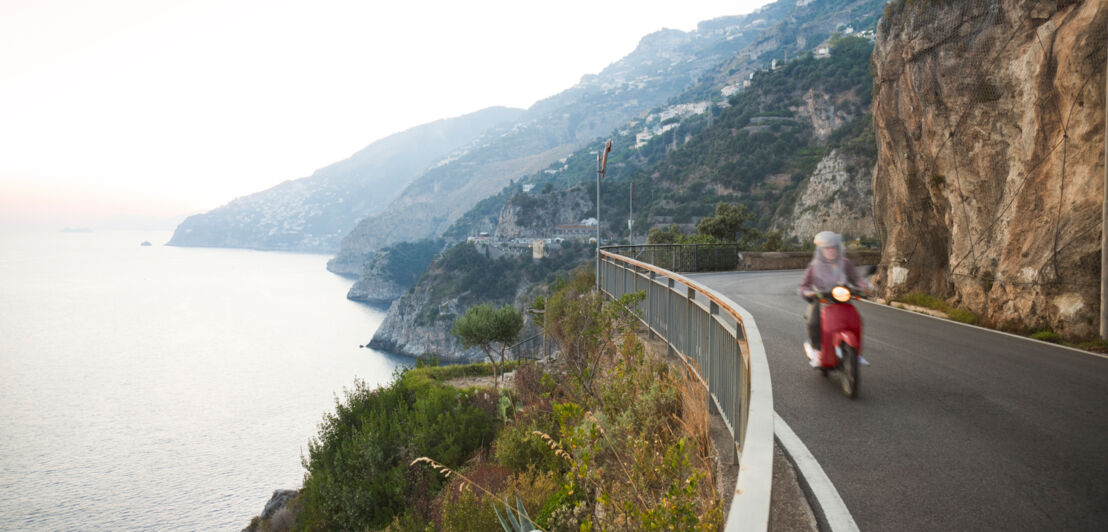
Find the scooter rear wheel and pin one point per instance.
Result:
(849, 365)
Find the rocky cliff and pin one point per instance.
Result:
(838, 197)
(990, 119)
(419, 323)
(421, 319)
(392, 271)
(537, 216)
(312, 214)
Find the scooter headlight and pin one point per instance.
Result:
(841, 294)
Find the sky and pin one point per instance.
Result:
(140, 112)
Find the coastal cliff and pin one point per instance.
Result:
(392, 271)
(989, 182)
(420, 321)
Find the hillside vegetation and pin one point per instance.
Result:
(607, 437)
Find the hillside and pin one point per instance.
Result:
(796, 147)
(827, 138)
(312, 214)
(990, 178)
(662, 65)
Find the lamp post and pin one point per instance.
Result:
(601, 163)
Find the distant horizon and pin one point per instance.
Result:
(116, 115)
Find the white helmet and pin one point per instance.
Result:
(828, 239)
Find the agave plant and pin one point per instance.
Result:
(516, 520)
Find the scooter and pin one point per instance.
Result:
(841, 341)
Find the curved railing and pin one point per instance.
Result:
(721, 342)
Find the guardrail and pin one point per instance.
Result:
(721, 342)
(532, 348)
(684, 257)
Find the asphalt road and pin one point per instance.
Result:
(955, 428)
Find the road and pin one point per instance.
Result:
(955, 427)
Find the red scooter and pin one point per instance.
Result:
(841, 341)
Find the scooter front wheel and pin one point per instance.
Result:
(849, 365)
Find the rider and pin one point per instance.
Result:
(829, 268)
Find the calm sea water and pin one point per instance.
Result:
(160, 388)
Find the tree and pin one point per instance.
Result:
(670, 235)
(728, 224)
(485, 326)
(775, 241)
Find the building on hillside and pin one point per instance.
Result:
(568, 231)
(481, 238)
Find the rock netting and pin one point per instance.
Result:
(990, 176)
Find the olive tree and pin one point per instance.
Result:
(729, 223)
(492, 329)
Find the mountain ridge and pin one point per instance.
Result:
(312, 214)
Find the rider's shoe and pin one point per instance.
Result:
(813, 355)
(862, 360)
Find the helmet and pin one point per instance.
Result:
(828, 239)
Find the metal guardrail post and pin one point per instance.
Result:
(650, 304)
(689, 295)
(712, 355)
(669, 315)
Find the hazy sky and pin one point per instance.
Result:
(159, 108)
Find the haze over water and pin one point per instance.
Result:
(159, 388)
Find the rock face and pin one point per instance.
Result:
(373, 287)
(275, 516)
(839, 198)
(527, 216)
(419, 321)
(990, 175)
(393, 270)
(312, 214)
(412, 327)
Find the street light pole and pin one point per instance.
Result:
(601, 162)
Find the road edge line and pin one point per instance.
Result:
(980, 328)
(831, 512)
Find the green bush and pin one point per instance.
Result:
(357, 467)
(519, 448)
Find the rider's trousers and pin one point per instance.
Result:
(812, 317)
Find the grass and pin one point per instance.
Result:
(1098, 346)
(920, 299)
(1046, 335)
(457, 371)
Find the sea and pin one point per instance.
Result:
(165, 388)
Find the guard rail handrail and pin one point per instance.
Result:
(722, 344)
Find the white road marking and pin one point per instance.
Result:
(831, 505)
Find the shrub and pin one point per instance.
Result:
(357, 467)
(519, 448)
(473, 497)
